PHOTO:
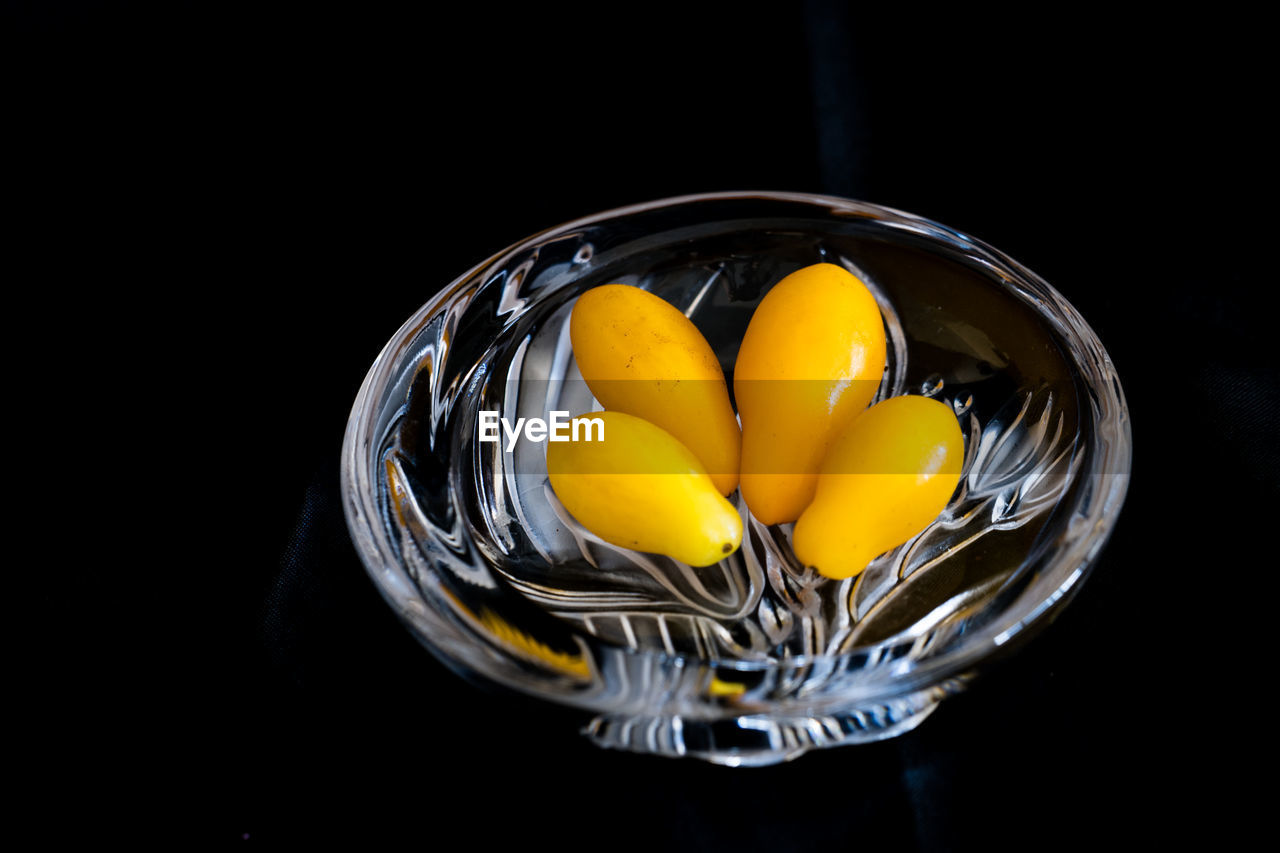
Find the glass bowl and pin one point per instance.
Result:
(757, 659)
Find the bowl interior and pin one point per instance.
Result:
(470, 545)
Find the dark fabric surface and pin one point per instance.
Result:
(274, 189)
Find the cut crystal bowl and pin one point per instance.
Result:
(757, 659)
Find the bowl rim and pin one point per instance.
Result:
(1111, 466)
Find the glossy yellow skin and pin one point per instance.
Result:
(640, 355)
(812, 358)
(885, 478)
(640, 488)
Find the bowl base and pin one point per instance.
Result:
(758, 740)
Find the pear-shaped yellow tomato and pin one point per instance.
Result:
(641, 356)
(638, 487)
(885, 478)
(812, 358)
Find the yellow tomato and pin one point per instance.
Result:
(640, 488)
(641, 356)
(886, 477)
(812, 358)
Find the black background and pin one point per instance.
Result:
(222, 211)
